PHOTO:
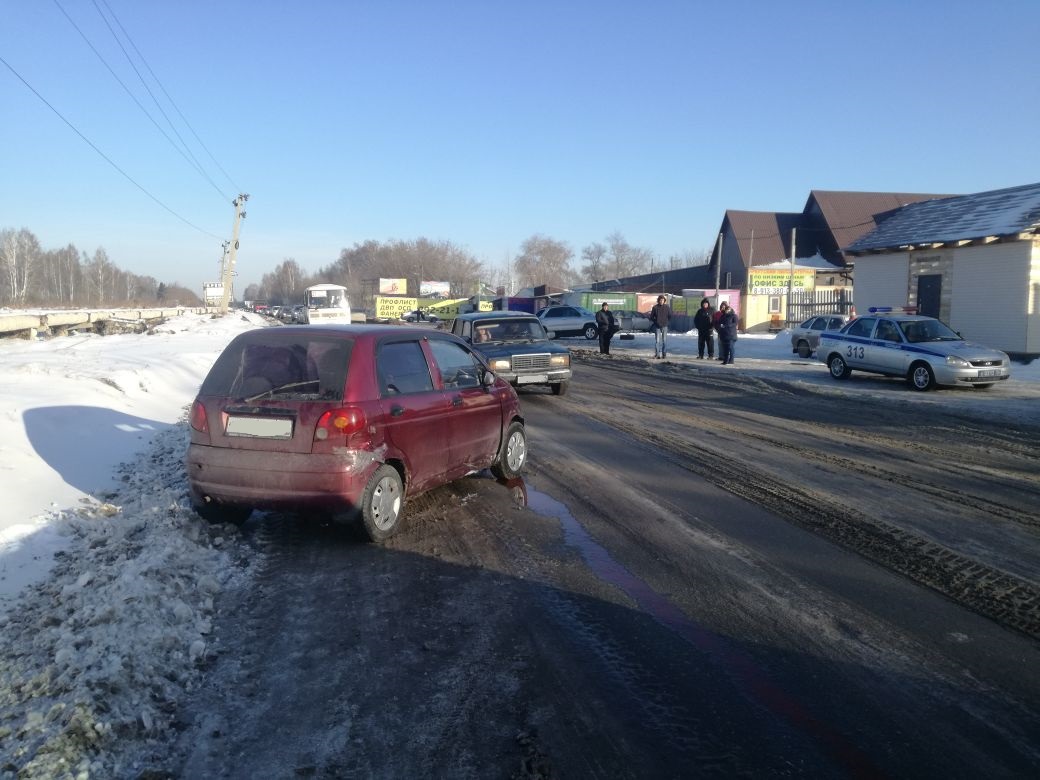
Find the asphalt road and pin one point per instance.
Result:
(703, 573)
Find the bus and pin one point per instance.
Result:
(326, 303)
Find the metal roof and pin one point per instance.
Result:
(992, 214)
(762, 236)
(850, 215)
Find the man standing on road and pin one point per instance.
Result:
(702, 322)
(606, 326)
(727, 329)
(659, 316)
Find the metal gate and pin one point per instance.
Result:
(811, 302)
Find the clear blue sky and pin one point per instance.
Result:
(486, 122)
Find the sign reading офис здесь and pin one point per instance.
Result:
(776, 282)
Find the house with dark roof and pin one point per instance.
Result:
(753, 245)
(973, 261)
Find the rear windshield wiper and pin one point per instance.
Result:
(280, 388)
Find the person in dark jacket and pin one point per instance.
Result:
(715, 317)
(727, 329)
(607, 327)
(702, 322)
(659, 317)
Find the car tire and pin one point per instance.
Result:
(803, 349)
(512, 456)
(591, 332)
(218, 514)
(381, 504)
(560, 388)
(921, 377)
(838, 367)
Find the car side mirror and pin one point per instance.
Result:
(550, 334)
(489, 379)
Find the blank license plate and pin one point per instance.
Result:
(989, 372)
(260, 427)
(530, 379)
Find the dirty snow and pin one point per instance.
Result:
(108, 580)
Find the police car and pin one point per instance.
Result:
(922, 349)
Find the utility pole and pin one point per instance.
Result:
(718, 272)
(790, 279)
(229, 267)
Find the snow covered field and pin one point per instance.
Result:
(108, 580)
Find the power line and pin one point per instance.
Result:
(168, 97)
(102, 154)
(133, 97)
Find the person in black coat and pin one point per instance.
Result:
(702, 322)
(727, 328)
(607, 327)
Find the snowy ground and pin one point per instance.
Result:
(107, 579)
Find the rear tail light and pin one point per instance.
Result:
(198, 417)
(339, 422)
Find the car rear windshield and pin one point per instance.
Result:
(287, 366)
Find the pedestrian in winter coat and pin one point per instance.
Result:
(659, 317)
(607, 327)
(715, 317)
(702, 322)
(727, 329)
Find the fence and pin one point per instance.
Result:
(808, 303)
(56, 323)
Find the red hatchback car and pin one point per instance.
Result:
(347, 420)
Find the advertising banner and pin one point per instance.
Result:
(393, 287)
(434, 289)
(776, 281)
(392, 308)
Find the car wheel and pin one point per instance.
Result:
(560, 388)
(921, 377)
(512, 457)
(591, 332)
(803, 349)
(838, 367)
(381, 504)
(220, 513)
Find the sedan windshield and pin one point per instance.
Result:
(917, 331)
(508, 331)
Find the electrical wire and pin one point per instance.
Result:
(102, 154)
(168, 97)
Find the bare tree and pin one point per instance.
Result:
(100, 274)
(19, 260)
(544, 260)
(594, 258)
(623, 259)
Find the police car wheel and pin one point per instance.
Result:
(838, 367)
(921, 377)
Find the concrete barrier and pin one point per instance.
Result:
(28, 326)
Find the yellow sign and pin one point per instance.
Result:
(392, 308)
(777, 281)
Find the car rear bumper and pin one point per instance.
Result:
(266, 480)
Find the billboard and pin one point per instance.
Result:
(777, 281)
(434, 289)
(393, 286)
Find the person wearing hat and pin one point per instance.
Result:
(607, 327)
(659, 316)
(727, 329)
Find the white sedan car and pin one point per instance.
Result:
(921, 349)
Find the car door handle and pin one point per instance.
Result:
(456, 401)
(396, 411)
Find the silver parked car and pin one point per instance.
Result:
(921, 349)
(632, 321)
(569, 321)
(805, 338)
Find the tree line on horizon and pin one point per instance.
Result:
(67, 278)
(541, 260)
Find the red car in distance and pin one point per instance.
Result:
(346, 420)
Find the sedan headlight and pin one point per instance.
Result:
(953, 360)
(560, 360)
(500, 364)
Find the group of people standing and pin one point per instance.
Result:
(723, 322)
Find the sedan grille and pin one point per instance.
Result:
(530, 362)
(984, 363)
